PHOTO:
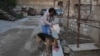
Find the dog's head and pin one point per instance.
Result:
(55, 43)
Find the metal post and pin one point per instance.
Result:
(54, 3)
(97, 2)
(90, 6)
(78, 23)
(68, 14)
(99, 35)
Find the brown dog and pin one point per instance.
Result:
(47, 39)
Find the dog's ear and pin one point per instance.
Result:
(58, 39)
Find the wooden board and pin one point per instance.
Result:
(59, 52)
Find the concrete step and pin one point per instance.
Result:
(88, 53)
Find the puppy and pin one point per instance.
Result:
(47, 39)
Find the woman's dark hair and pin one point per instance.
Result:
(52, 10)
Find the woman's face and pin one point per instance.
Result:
(51, 13)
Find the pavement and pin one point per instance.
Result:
(17, 37)
(87, 46)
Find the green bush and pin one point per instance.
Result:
(7, 4)
(19, 16)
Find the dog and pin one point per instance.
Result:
(48, 40)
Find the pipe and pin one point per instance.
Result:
(68, 14)
(78, 23)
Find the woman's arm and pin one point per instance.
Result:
(46, 21)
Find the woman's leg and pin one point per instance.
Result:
(46, 29)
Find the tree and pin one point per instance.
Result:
(7, 4)
(12, 3)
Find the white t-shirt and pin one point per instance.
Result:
(46, 18)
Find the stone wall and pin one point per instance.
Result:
(94, 33)
(36, 4)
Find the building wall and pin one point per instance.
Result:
(95, 33)
(36, 4)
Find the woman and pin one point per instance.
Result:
(48, 20)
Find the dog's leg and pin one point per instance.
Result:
(38, 40)
(48, 45)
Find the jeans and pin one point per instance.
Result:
(46, 29)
